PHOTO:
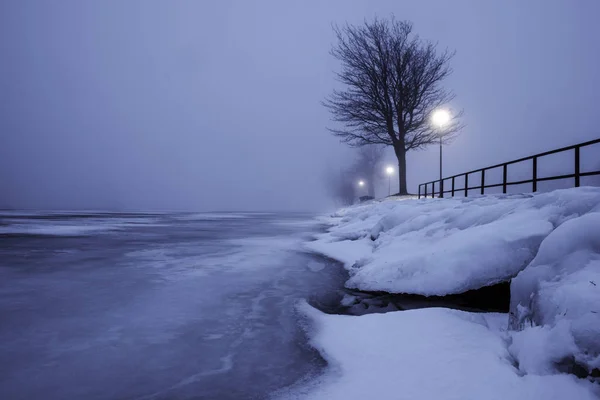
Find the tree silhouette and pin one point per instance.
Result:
(392, 85)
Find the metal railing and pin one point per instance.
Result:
(577, 174)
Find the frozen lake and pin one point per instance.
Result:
(156, 306)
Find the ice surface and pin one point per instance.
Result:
(427, 354)
(69, 224)
(54, 230)
(446, 246)
(555, 301)
(181, 309)
(212, 216)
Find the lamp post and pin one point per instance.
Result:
(389, 171)
(361, 184)
(440, 119)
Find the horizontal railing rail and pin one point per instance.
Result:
(576, 175)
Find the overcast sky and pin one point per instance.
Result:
(215, 105)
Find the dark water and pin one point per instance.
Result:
(169, 306)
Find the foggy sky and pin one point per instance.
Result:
(215, 105)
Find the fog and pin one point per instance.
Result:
(216, 105)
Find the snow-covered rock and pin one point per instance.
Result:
(424, 354)
(555, 301)
(446, 246)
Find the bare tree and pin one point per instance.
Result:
(392, 85)
(342, 187)
(368, 166)
(343, 183)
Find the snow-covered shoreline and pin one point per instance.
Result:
(446, 246)
(547, 244)
(431, 353)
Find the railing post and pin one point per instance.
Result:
(504, 176)
(466, 185)
(535, 174)
(419, 192)
(441, 188)
(432, 189)
(577, 167)
(426, 190)
(482, 181)
(452, 186)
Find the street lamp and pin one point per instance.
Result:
(440, 119)
(389, 171)
(361, 184)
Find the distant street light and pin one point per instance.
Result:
(389, 171)
(361, 184)
(440, 119)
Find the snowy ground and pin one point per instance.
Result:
(426, 354)
(555, 301)
(548, 244)
(446, 246)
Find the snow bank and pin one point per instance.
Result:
(446, 246)
(555, 301)
(424, 354)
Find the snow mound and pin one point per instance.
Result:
(446, 246)
(424, 354)
(555, 301)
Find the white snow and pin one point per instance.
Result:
(446, 246)
(426, 354)
(547, 243)
(346, 251)
(555, 301)
(538, 349)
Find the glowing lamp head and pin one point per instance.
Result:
(440, 118)
(389, 170)
(361, 183)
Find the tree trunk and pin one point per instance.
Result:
(401, 156)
